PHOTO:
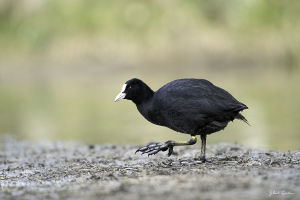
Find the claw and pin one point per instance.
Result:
(141, 149)
(170, 151)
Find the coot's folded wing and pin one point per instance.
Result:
(197, 98)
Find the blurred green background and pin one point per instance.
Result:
(62, 63)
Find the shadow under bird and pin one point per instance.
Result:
(190, 106)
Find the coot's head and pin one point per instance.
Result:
(135, 90)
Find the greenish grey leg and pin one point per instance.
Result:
(203, 148)
(192, 141)
(154, 148)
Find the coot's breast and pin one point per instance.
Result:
(152, 113)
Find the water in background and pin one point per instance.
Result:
(62, 64)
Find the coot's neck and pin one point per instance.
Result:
(145, 95)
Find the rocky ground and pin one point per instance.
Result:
(75, 171)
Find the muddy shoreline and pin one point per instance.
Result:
(57, 170)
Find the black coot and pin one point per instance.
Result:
(190, 106)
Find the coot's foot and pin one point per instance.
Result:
(155, 147)
(203, 159)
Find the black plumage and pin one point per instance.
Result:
(190, 106)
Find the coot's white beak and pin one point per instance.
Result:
(121, 95)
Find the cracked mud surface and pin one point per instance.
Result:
(75, 171)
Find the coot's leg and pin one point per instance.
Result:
(154, 148)
(203, 148)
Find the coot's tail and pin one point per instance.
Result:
(241, 117)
